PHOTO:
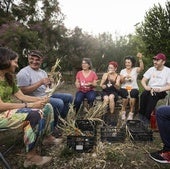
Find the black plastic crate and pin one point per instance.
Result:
(88, 127)
(81, 143)
(138, 131)
(113, 134)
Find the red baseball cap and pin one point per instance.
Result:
(160, 56)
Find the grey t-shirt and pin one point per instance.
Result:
(28, 76)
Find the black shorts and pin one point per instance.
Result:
(134, 93)
(109, 93)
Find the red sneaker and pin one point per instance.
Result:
(161, 156)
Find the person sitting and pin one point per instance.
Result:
(155, 81)
(110, 84)
(28, 114)
(129, 90)
(33, 81)
(86, 81)
(163, 122)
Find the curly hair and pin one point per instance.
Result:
(132, 59)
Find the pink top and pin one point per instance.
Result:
(83, 80)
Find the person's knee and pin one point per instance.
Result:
(106, 100)
(57, 104)
(112, 98)
(91, 99)
(33, 117)
(70, 98)
(160, 111)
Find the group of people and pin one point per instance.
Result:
(123, 84)
(155, 81)
(36, 108)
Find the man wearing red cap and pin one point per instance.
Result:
(156, 81)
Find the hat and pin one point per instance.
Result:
(35, 53)
(114, 64)
(160, 56)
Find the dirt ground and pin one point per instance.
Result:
(118, 155)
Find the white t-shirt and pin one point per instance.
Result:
(157, 78)
(133, 82)
(28, 76)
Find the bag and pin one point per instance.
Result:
(153, 121)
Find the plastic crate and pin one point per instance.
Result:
(138, 131)
(88, 127)
(113, 134)
(81, 143)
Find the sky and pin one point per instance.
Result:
(112, 16)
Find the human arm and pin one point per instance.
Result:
(162, 89)
(93, 84)
(141, 64)
(117, 83)
(25, 98)
(144, 84)
(91, 80)
(102, 83)
(77, 84)
(124, 79)
(8, 105)
(29, 89)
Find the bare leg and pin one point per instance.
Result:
(111, 103)
(123, 110)
(132, 105)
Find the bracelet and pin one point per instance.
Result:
(26, 105)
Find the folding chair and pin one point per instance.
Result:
(4, 162)
(5, 134)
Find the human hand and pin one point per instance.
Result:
(45, 99)
(128, 78)
(157, 90)
(139, 55)
(148, 88)
(110, 72)
(77, 85)
(45, 81)
(88, 84)
(38, 104)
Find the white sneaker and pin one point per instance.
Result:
(123, 115)
(130, 116)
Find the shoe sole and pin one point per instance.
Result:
(159, 161)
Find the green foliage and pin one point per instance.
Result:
(38, 24)
(155, 30)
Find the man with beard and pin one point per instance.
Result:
(156, 81)
(33, 81)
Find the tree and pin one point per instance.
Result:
(155, 30)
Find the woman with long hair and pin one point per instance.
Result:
(34, 114)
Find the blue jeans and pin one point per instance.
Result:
(163, 121)
(60, 103)
(90, 96)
